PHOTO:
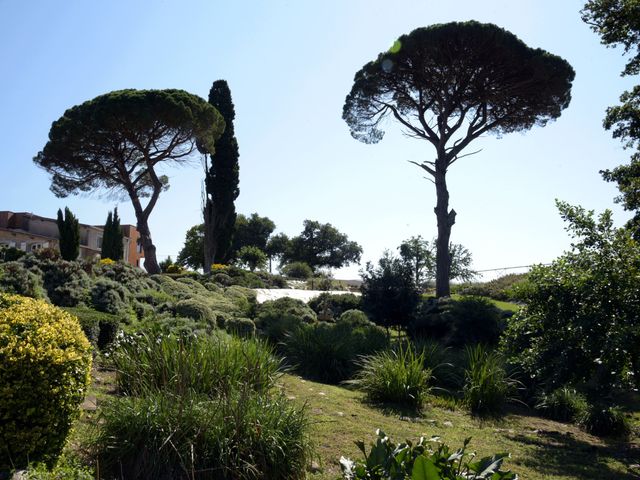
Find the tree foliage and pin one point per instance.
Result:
(389, 294)
(580, 324)
(221, 183)
(322, 245)
(419, 255)
(192, 254)
(618, 23)
(69, 230)
(252, 257)
(118, 140)
(112, 236)
(252, 231)
(448, 84)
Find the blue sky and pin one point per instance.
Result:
(289, 65)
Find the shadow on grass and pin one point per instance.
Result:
(556, 453)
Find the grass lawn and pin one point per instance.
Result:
(541, 449)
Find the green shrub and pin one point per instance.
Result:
(242, 327)
(223, 279)
(100, 328)
(276, 318)
(355, 318)
(604, 421)
(46, 362)
(580, 324)
(134, 279)
(458, 323)
(329, 352)
(165, 323)
(65, 469)
(330, 306)
(196, 309)
(16, 278)
(207, 365)
(442, 361)
(426, 459)
(487, 385)
(563, 404)
(243, 435)
(66, 283)
(11, 254)
(394, 376)
(502, 288)
(109, 296)
(243, 298)
(171, 287)
(297, 270)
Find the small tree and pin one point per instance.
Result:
(69, 230)
(252, 231)
(389, 294)
(192, 254)
(449, 84)
(322, 245)
(252, 257)
(277, 247)
(112, 236)
(416, 252)
(117, 141)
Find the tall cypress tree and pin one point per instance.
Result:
(117, 248)
(105, 251)
(69, 230)
(112, 246)
(222, 175)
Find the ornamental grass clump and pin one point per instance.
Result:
(210, 365)
(330, 352)
(243, 435)
(45, 363)
(199, 407)
(394, 376)
(487, 385)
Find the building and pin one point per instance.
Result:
(30, 232)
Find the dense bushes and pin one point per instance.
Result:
(457, 323)
(214, 397)
(329, 352)
(276, 318)
(99, 327)
(297, 270)
(563, 404)
(45, 361)
(16, 278)
(581, 325)
(502, 288)
(329, 306)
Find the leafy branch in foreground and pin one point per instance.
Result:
(426, 460)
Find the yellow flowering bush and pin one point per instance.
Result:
(218, 267)
(107, 261)
(45, 364)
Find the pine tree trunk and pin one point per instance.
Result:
(446, 219)
(150, 259)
